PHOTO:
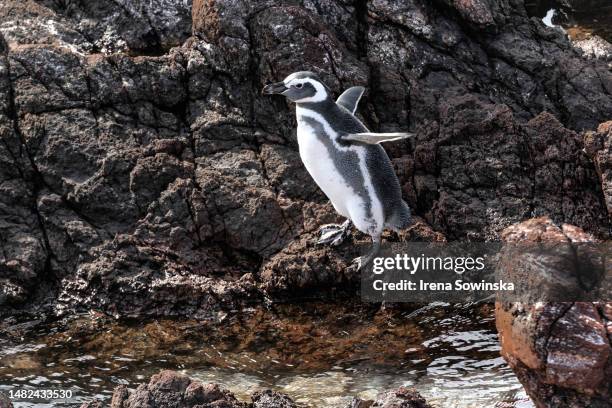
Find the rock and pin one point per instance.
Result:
(598, 146)
(271, 399)
(171, 389)
(5, 402)
(403, 397)
(559, 351)
(595, 47)
(143, 173)
(583, 5)
(92, 404)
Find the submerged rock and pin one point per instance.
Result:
(171, 389)
(561, 352)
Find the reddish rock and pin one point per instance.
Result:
(561, 352)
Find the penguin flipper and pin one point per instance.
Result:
(350, 98)
(374, 138)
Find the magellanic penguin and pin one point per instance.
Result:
(346, 160)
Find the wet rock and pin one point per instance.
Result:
(559, 351)
(403, 397)
(171, 389)
(5, 402)
(92, 404)
(271, 399)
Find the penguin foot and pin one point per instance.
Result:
(360, 262)
(323, 229)
(334, 234)
(333, 237)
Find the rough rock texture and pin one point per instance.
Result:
(598, 145)
(170, 389)
(5, 402)
(583, 5)
(595, 47)
(561, 352)
(159, 181)
(271, 399)
(134, 26)
(403, 397)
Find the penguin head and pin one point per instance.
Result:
(300, 87)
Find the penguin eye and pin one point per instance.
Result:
(299, 85)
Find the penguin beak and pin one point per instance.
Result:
(276, 88)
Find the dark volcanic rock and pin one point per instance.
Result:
(159, 180)
(598, 145)
(106, 26)
(561, 352)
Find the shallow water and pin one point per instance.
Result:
(321, 355)
(579, 25)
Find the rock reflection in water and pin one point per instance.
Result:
(319, 354)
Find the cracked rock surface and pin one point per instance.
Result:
(143, 173)
(561, 352)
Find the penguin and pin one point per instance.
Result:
(346, 161)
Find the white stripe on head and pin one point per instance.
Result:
(320, 92)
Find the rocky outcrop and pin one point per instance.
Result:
(598, 145)
(561, 352)
(171, 389)
(403, 397)
(157, 180)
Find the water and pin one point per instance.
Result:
(321, 355)
(578, 24)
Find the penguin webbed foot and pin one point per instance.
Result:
(334, 234)
(361, 262)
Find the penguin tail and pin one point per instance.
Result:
(401, 218)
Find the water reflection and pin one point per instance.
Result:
(319, 354)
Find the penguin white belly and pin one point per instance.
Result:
(320, 165)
